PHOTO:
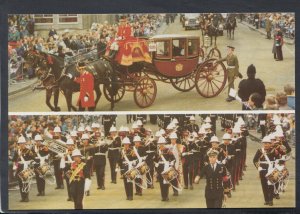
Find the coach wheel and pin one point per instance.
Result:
(145, 92)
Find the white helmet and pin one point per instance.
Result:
(214, 139)
(202, 130)
(121, 129)
(207, 120)
(192, 118)
(112, 129)
(279, 134)
(21, 140)
(226, 136)
(134, 126)
(137, 139)
(162, 131)
(126, 140)
(139, 123)
(170, 126)
(266, 139)
(85, 137)
(76, 152)
(57, 129)
(272, 136)
(38, 137)
(70, 141)
(88, 129)
(157, 134)
(80, 129)
(126, 129)
(73, 134)
(175, 121)
(95, 125)
(161, 140)
(173, 135)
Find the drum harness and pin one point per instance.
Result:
(143, 185)
(25, 184)
(167, 166)
(282, 182)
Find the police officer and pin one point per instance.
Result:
(232, 69)
(23, 156)
(250, 86)
(262, 161)
(214, 173)
(113, 152)
(100, 150)
(78, 175)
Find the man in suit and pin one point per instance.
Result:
(215, 175)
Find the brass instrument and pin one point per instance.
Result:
(55, 146)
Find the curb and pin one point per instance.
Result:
(287, 41)
(22, 89)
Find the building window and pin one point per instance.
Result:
(43, 18)
(67, 18)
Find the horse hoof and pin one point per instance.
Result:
(57, 109)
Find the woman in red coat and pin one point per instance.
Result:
(86, 81)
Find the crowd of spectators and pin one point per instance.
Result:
(22, 38)
(284, 21)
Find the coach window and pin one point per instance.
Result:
(192, 47)
(178, 47)
(163, 49)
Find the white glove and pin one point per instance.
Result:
(260, 169)
(120, 37)
(85, 99)
(184, 154)
(156, 165)
(229, 157)
(70, 75)
(224, 161)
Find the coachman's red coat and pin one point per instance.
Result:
(86, 81)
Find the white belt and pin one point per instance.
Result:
(99, 153)
(229, 67)
(149, 151)
(114, 148)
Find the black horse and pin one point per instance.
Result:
(213, 28)
(53, 73)
(230, 25)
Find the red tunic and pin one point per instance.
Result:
(124, 32)
(86, 81)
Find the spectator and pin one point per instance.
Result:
(270, 103)
(290, 92)
(255, 102)
(281, 99)
(250, 86)
(52, 32)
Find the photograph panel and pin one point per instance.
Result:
(151, 62)
(151, 161)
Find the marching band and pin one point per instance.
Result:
(175, 156)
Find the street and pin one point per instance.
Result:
(248, 193)
(251, 48)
